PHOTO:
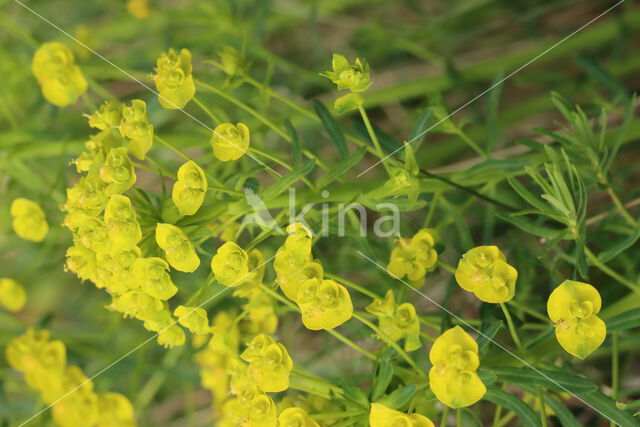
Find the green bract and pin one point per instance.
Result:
(353, 77)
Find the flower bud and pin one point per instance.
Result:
(355, 77)
(269, 364)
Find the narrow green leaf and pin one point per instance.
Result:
(528, 226)
(511, 402)
(420, 126)
(296, 150)
(528, 196)
(602, 76)
(384, 374)
(552, 380)
(492, 110)
(608, 409)
(341, 168)
(332, 127)
(622, 322)
(399, 397)
(287, 180)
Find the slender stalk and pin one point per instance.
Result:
(543, 409)
(512, 328)
(496, 416)
(615, 368)
(446, 266)
(459, 417)
(529, 311)
(445, 414)
(602, 267)
(472, 144)
(623, 211)
(372, 134)
(352, 285)
(216, 120)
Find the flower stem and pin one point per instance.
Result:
(529, 311)
(623, 211)
(372, 134)
(459, 417)
(445, 414)
(352, 285)
(512, 328)
(216, 120)
(615, 368)
(543, 409)
(601, 266)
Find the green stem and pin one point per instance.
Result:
(446, 266)
(512, 328)
(602, 267)
(543, 409)
(216, 120)
(352, 285)
(459, 417)
(389, 341)
(445, 414)
(623, 211)
(529, 311)
(471, 143)
(372, 134)
(615, 368)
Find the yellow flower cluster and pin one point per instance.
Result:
(296, 417)
(190, 188)
(29, 221)
(453, 378)
(414, 258)
(356, 78)
(75, 404)
(173, 79)
(382, 416)
(573, 307)
(269, 364)
(397, 321)
(136, 127)
(230, 142)
(58, 75)
(484, 271)
(177, 248)
(12, 295)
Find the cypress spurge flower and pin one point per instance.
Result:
(230, 265)
(117, 171)
(413, 258)
(269, 363)
(193, 318)
(230, 141)
(484, 271)
(190, 188)
(59, 77)
(397, 321)
(107, 116)
(252, 408)
(382, 416)
(120, 219)
(573, 307)
(325, 304)
(12, 295)
(354, 77)
(93, 234)
(177, 248)
(171, 337)
(296, 417)
(152, 274)
(114, 410)
(173, 79)
(293, 262)
(135, 126)
(29, 221)
(453, 378)
(115, 270)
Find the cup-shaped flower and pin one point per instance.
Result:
(135, 126)
(59, 77)
(114, 270)
(261, 316)
(397, 321)
(173, 79)
(12, 295)
(117, 171)
(120, 219)
(135, 303)
(93, 234)
(453, 378)
(190, 188)
(106, 117)
(484, 271)
(193, 318)
(325, 304)
(152, 274)
(269, 363)
(29, 221)
(41, 361)
(177, 248)
(414, 257)
(354, 77)
(252, 408)
(82, 261)
(382, 416)
(573, 307)
(173, 336)
(293, 269)
(230, 265)
(299, 239)
(115, 409)
(230, 141)
(296, 417)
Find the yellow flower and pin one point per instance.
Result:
(256, 267)
(453, 378)
(108, 116)
(115, 410)
(397, 322)
(82, 261)
(135, 126)
(484, 271)
(135, 303)
(12, 295)
(269, 363)
(355, 77)
(261, 315)
(60, 78)
(573, 307)
(230, 265)
(29, 221)
(190, 188)
(414, 257)
(172, 337)
(79, 407)
(325, 304)
(115, 270)
(296, 417)
(177, 248)
(230, 141)
(174, 80)
(381, 416)
(299, 239)
(193, 318)
(93, 234)
(117, 171)
(253, 408)
(120, 219)
(293, 262)
(152, 275)
(139, 9)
